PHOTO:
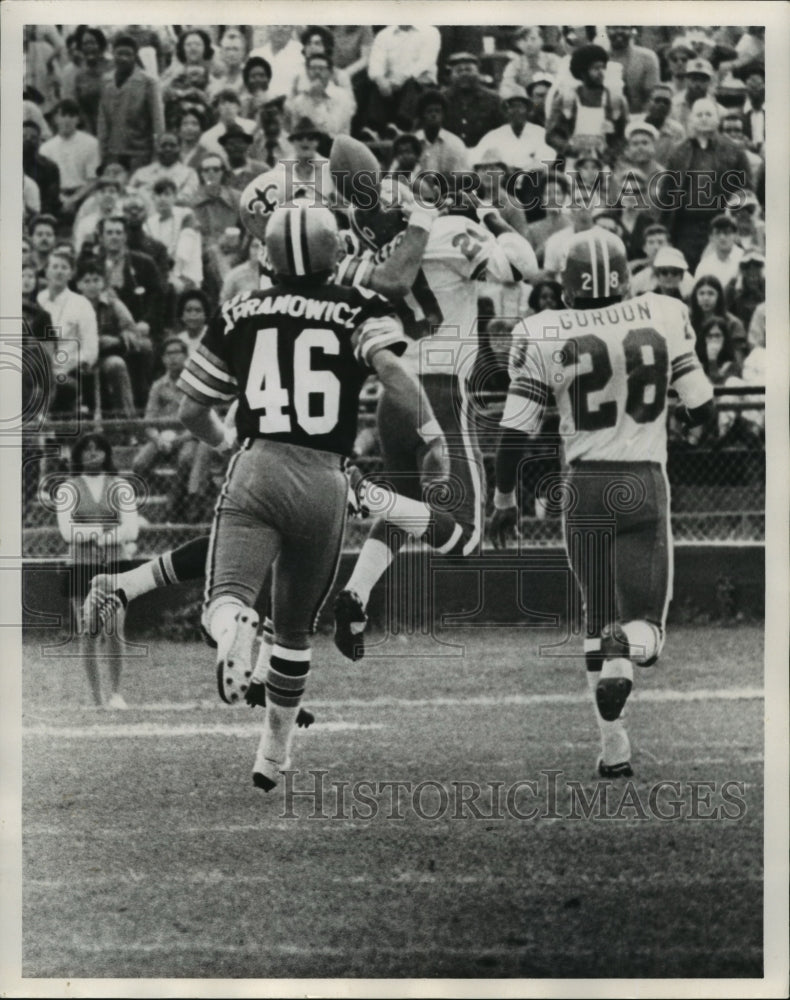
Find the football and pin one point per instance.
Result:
(349, 158)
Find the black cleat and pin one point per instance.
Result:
(256, 694)
(621, 770)
(304, 719)
(611, 695)
(349, 612)
(261, 781)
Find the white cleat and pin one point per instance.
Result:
(234, 657)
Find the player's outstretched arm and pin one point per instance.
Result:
(394, 277)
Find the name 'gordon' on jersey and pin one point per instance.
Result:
(609, 369)
(296, 359)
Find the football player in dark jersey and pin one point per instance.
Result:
(296, 356)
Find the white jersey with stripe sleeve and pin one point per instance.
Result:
(609, 369)
(442, 304)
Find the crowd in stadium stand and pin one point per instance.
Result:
(138, 141)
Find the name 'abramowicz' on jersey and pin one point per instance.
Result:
(296, 383)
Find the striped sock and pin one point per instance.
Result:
(285, 684)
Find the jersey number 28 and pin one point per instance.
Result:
(647, 372)
(316, 394)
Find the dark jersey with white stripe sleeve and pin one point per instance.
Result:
(296, 356)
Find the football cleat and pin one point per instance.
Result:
(621, 770)
(611, 695)
(104, 606)
(234, 657)
(350, 622)
(615, 758)
(116, 702)
(266, 772)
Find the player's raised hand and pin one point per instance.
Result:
(504, 526)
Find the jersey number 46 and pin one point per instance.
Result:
(316, 394)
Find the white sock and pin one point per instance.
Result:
(275, 742)
(618, 667)
(137, 581)
(372, 563)
(221, 616)
(643, 638)
(264, 655)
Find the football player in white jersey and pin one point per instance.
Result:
(440, 313)
(609, 362)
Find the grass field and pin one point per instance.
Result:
(149, 853)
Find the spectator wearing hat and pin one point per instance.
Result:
(529, 61)
(723, 255)
(699, 83)
(753, 76)
(403, 62)
(76, 155)
(40, 168)
(270, 144)
(640, 66)
(745, 210)
(645, 277)
(671, 272)
(131, 113)
(106, 199)
(406, 152)
(227, 105)
(588, 113)
(678, 56)
(657, 114)
(745, 292)
(241, 168)
(329, 106)
(442, 151)
(519, 144)
(688, 207)
(471, 109)
(166, 163)
(306, 174)
(537, 92)
(229, 66)
(639, 155)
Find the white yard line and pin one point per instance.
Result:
(659, 878)
(481, 701)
